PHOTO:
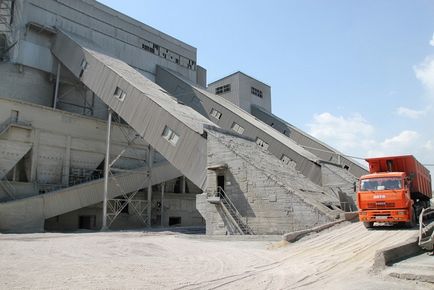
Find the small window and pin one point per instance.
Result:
(120, 94)
(262, 143)
(83, 64)
(237, 128)
(83, 67)
(285, 159)
(216, 114)
(256, 92)
(223, 89)
(170, 135)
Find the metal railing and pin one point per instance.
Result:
(426, 229)
(233, 212)
(13, 121)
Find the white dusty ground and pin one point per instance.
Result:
(336, 259)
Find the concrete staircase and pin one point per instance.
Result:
(29, 214)
(231, 212)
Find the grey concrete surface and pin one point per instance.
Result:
(420, 268)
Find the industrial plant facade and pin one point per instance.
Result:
(181, 153)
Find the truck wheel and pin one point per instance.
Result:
(368, 225)
(413, 222)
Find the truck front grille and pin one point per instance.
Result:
(380, 204)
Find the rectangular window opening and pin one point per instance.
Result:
(83, 66)
(216, 114)
(237, 128)
(120, 94)
(223, 89)
(174, 221)
(262, 143)
(285, 159)
(256, 92)
(170, 135)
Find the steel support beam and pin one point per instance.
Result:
(56, 89)
(150, 164)
(163, 185)
(106, 171)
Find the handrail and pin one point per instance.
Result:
(222, 194)
(13, 120)
(422, 226)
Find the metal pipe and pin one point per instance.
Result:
(106, 171)
(150, 163)
(162, 204)
(56, 90)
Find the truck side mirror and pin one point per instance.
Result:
(412, 175)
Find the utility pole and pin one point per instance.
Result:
(106, 172)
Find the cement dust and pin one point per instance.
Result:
(337, 259)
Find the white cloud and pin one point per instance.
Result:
(410, 113)
(425, 74)
(344, 133)
(429, 145)
(431, 42)
(403, 143)
(354, 136)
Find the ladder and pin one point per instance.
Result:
(232, 212)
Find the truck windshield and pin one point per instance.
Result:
(380, 184)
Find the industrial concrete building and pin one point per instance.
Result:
(86, 90)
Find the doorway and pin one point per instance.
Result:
(87, 222)
(220, 183)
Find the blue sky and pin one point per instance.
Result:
(358, 75)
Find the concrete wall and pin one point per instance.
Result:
(175, 205)
(101, 27)
(241, 93)
(26, 84)
(271, 197)
(62, 141)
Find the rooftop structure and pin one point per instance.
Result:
(243, 90)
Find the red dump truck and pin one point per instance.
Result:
(395, 191)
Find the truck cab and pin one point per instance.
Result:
(384, 197)
(395, 191)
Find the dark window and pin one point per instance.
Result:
(216, 114)
(223, 89)
(256, 92)
(174, 220)
(120, 94)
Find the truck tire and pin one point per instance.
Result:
(368, 225)
(413, 222)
